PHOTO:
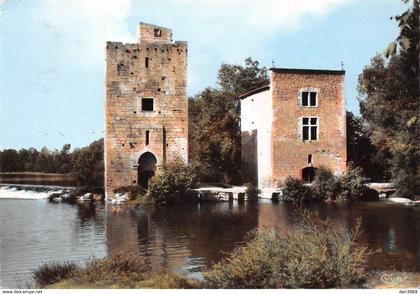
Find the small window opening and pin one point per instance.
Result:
(309, 99)
(158, 32)
(309, 159)
(147, 137)
(147, 104)
(146, 62)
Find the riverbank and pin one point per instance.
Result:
(37, 178)
(164, 280)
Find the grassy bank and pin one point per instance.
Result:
(162, 280)
(116, 271)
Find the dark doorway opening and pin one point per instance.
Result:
(146, 169)
(308, 174)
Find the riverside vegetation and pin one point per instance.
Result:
(318, 255)
(327, 186)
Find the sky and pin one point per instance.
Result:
(52, 52)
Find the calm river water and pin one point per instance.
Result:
(185, 238)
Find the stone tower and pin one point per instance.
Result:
(146, 107)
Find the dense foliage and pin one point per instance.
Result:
(214, 126)
(361, 152)
(33, 160)
(326, 185)
(172, 184)
(88, 166)
(295, 190)
(321, 255)
(353, 183)
(389, 102)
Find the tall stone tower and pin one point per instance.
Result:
(146, 107)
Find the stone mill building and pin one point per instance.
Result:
(146, 106)
(294, 125)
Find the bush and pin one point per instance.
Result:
(353, 183)
(50, 273)
(326, 185)
(318, 256)
(252, 192)
(112, 269)
(295, 190)
(171, 185)
(114, 266)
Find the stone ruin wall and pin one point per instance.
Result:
(127, 81)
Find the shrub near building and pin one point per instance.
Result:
(326, 185)
(173, 184)
(295, 190)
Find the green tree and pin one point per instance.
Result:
(64, 159)
(238, 79)
(389, 96)
(361, 152)
(215, 135)
(214, 121)
(10, 161)
(88, 166)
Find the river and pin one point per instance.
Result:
(186, 238)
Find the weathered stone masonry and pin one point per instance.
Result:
(146, 106)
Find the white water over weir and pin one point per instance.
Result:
(18, 191)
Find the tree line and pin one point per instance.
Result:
(85, 164)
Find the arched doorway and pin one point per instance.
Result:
(308, 174)
(146, 169)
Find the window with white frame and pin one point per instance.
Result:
(310, 128)
(308, 98)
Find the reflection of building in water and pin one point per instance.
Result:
(179, 237)
(129, 231)
(273, 215)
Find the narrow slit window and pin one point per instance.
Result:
(147, 137)
(310, 159)
(146, 62)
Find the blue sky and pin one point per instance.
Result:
(52, 53)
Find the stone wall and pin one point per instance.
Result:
(290, 152)
(155, 67)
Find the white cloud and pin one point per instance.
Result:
(82, 27)
(271, 16)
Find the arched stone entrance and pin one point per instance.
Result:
(146, 168)
(308, 174)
